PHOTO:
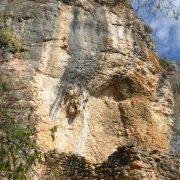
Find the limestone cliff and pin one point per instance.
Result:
(88, 67)
(174, 76)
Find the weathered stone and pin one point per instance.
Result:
(119, 165)
(91, 74)
(90, 68)
(138, 165)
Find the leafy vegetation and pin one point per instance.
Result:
(10, 41)
(148, 29)
(53, 130)
(3, 87)
(165, 64)
(19, 153)
(18, 150)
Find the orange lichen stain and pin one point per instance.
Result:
(139, 77)
(150, 84)
(139, 100)
(142, 126)
(141, 71)
(154, 59)
(140, 63)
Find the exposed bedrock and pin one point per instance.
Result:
(174, 76)
(92, 71)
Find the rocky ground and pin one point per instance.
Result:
(127, 162)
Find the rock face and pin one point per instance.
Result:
(174, 77)
(90, 68)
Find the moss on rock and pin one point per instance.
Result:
(9, 40)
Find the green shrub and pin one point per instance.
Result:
(19, 153)
(53, 130)
(148, 29)
(18, 150)
(10, 41)
(165, 64)
(3, 86)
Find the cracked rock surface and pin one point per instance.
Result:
(91, 70)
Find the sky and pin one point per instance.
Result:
(166, 28)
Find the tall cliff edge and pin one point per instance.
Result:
(90, 69)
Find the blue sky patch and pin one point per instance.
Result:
(165, 25)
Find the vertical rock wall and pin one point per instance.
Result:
(174, 76)
(93, 73)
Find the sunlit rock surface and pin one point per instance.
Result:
(91, 70)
